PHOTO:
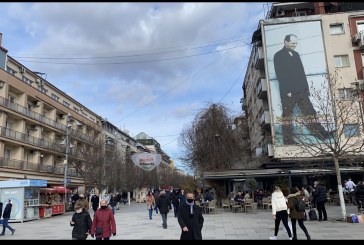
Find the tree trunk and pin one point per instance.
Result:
(340, 188)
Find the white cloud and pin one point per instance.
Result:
(137, 32)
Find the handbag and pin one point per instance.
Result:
(99, 231)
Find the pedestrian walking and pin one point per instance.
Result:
(81, 222)
(6, 217)
(190, 219)
(103, 224)
(279, 212)
(164, 206)
(295, 214)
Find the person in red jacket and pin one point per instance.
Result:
(103, 224)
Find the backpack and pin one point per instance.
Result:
(300, 205)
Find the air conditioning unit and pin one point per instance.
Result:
(355, 38)
(63, 116)
(33, 151)
(33, 127)
(22, 69)
(36, 103)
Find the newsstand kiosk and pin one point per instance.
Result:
(24, 195)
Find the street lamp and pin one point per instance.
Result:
(67, 150)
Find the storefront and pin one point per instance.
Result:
(24, 195)
(52, 201)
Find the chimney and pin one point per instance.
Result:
(1, 38)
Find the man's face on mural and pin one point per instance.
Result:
(292, 43)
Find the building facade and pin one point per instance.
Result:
(327, 37)
(41, 127)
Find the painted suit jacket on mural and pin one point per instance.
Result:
(290, 72)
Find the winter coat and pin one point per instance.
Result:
(82, 225)
(319, 195)
(104, 219)
(194, 222)
(278, 202)
(150, 201)
(163, 204)
(7, 211)
(293, 213)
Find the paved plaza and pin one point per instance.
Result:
(133, 223)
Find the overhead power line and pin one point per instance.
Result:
(128, 62)
(121, 56)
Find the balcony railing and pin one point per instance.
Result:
(24, 138)
(29, 113)
(43, 119)
(35, 167)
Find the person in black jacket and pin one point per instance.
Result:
(190, 219)
(81, 222)
(294, 90)
(320, 197)
(164, 206)
(6, 217)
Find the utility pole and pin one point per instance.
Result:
(67, 150)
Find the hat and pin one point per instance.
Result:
(78, 205)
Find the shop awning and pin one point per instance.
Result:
(47, 190)
(61, 189)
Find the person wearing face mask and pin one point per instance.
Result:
(190, 219)
(104, 221)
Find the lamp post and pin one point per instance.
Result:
(67, 150)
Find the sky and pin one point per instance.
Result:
(145, 67)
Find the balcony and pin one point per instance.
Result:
(358, 39)
(264, 119)
(262, 88)
(25, 138)
(258, 58)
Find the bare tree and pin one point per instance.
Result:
(210, 143)
(89, 161)
(334, 132)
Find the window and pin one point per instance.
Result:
(345, 94)
(351, 130)
(11, 71)
(26, 80)
(66, 104)
(76, 109)
(341, 60)
(42, 89)
(7, 154)
(55, 97)
(336, 29)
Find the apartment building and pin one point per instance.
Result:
(153, 146)
(36, 118)
(329, 37)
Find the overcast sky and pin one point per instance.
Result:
(146, 67)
